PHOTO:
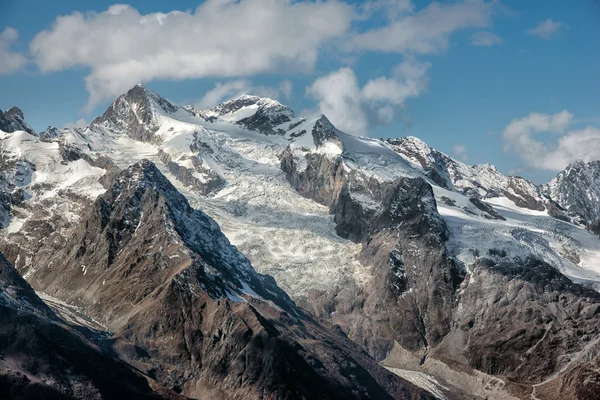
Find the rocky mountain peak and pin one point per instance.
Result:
(323, 131)
(13, 120)
(577, 189)
(136, 113)
(263, 104)
(15, 112)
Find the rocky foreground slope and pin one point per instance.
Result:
(42, 357)
(466, 282)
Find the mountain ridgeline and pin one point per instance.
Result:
(246, 252)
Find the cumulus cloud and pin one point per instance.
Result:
(545, 29)
(10, 61)
(563, 147)
(460, 151)
(227, 90)
(339, 98)
(348, 106)
(485, 39)
(218, 39)
(428, 30)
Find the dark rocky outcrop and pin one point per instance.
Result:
(13, 120)
(43, 358)
(411, 294)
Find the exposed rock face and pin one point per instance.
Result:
(519, 319)
(479, 181)
(201, 179)
(42, 358)
(15, 172)
(577, 189)
(323, 132)
(411, 294)
(134, 113)
(267, 113)
(545, 319)
(50, 133)
(189, 310)
(13, 120)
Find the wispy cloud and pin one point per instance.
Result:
(460, 151)
(428, 30)
(10, 61)
(485, 39)
(80, 124)
(545, 29)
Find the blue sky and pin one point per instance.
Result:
(389, 68)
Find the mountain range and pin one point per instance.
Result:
(247, 252)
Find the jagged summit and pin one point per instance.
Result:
(479, 181)
(577, 189)
(260, 114)
(13, 120)
(245, 100)
(136, 113)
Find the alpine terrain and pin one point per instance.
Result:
(247, 252)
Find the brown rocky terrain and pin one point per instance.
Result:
(41, 357)
(188, 310)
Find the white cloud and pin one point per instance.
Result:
(545, 29)
(391, 8)
(554, 154)
(340, 100)
(460, 151)
(348, 106)
(10, 61)
(485, 39)
(80, 124)
(219, 39)
(286, 87)
(385, 114)
(227, 90)
(428, 30)
(409, 80)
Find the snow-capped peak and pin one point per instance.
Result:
(135, 112)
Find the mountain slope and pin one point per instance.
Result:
(189, 310)
(42, 358)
